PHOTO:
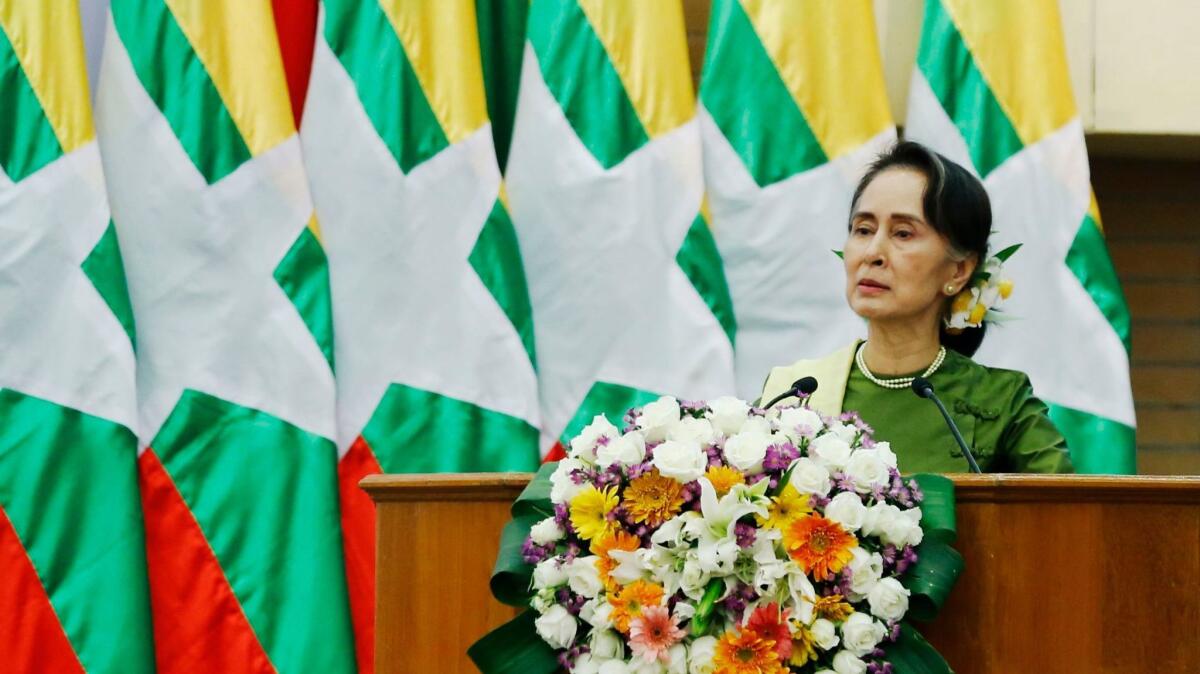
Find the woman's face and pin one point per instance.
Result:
(897, 265)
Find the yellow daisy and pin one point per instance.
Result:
(590, 511)
(786, 508)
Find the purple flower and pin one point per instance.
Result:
(533, 553)
(745, 534)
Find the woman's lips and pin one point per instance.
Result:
(871, 287)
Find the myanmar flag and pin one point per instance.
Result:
(229, 283)
(991, 91)
(793, 107)
(435, 346)
(606, 185)
(73, 588)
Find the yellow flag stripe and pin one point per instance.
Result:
(48, 40)
(647, 45)
(1032, 82)
(441, 40)
(236, 42)
(827, 55)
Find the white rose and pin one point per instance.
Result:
(847, 509)
(846, 662)
(700, 655)
(847, 432)
(562, 487)
(886, 453)
(810, 477)
(830, 451)
(625, 450)
(607, 645)
(548, 573)
(543, 600)
(546, 532)
(888, 599)
(597, 613)
(677, 663)
(819, 671)
(683, 461)
(746, 451)
(691, 429)
(860, 634)
(658, 417)
(694, 579)
(866, 568)
(583, 446)
(756, 424)
(584, 577)
(867, 469)
(642, 666)
(557, 627)
(893, 525)
(791, 421)
(728, 414)
(586, 664)
(613, 667)
(824, 634)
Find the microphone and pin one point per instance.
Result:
(924, 389)
(803, 385)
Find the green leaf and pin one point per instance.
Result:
(514, 648)
(931, 579)
(704, 610)
(937, 509)
(512, 575)
(1008, 252)
(840, 254)
(912, 654)
(535, 499)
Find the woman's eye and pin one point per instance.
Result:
(862, 230)
(904, 234)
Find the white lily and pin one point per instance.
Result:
(714, 530)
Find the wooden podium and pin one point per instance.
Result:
(1067, 575)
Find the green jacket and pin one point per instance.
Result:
(1004, 424)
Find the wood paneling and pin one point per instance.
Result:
(1063, 574)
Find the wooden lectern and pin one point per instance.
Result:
(1064, 575)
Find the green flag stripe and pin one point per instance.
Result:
(1089, 260)
(265, 495)
(105, 269)
(177, 82)
(611, 400)
(27, 141)
(578, 72)
(68, 482)
(363, 39)
(742, 91)
(950, 69)
(416, 431)
(502, 49)
(701, 263)
(1097, 444)
(303, 273)
(496, 259)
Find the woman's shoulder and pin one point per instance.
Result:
(990, 390)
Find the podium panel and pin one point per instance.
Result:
(1064, 574)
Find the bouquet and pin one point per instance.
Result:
(727, 539)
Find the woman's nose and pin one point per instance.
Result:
(876, 250)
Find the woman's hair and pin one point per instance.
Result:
(955, 205)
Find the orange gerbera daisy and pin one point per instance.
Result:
(620, 540)
(652, 499)
(832, 608)
(628, 602)
(821, 547)
(724, 478)
(746, 653)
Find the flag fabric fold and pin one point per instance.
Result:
(436, 351)
(793, 106)
(229, 283)
(74, 595)
(991, 91)
(605, 181)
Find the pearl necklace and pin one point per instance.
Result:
(900, 382)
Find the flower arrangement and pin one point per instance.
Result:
(978, 301)
(720, 538)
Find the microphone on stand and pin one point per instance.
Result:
(924, 389)
(803, 385)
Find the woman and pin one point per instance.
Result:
(919, 227)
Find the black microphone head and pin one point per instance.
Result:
(805, 385)
(922, 387)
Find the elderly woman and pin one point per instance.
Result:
(919, 228)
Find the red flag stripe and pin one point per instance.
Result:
(358, 540)
(198, 624)
(556, 453)
(296, 24)
(31, 637)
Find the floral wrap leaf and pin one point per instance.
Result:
(535, 499)
(514, 648)
(512, 575)
(912, 654)
(937, 510)
(931, 579)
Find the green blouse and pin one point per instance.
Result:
(1003, 423)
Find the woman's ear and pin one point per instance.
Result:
(964, 268)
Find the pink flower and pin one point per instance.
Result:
(653, 633)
